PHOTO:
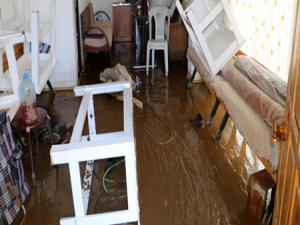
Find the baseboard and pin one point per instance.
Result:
(62, 85)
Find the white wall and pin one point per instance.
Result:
(8, 9)
(66, 72)
(104, 5)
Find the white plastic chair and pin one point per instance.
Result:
(161, 15)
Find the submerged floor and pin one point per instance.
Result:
(184, 175)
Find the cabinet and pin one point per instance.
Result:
(123, 21)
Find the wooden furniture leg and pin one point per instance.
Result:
(213, 113)
(49, 129)
(222, 126)
(31, 156)
(35, 131)
(190, 81)
(50, 87)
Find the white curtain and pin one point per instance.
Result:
(267, 27)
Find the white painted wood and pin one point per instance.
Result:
(41, 65)
(11, 58)
(82, 152)
(91, 119)
(11, 102)
(46, 66)
(104, 88)
(128, 112)
(191, 33)
(35, 49)
(87, 182)
(1, 19)
(216, 40)
(105, 136)
(233, 24)
(131, 181)
(172, 7)
(201, 39)
(76, 188)
(117, 217)
(97, 147)
(80, 119)
(89, 168)
(6, 100)
(210, 17)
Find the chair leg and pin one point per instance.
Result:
(166, 62)
(153, 58)
(147, 60)
(213, 112)
(33, 177)
(222, 126)
(190, 81)
(50, 87)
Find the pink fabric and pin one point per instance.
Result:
(269, 110)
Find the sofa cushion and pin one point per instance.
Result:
(268, 109)
(267, 81)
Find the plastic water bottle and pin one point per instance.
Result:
(27, 96)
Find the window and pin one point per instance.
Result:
(267, 27)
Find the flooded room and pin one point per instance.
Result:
(149, 112)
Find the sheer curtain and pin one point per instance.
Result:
(267, 27)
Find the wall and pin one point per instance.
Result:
(66, 71)
(104, 5)
(8, 9)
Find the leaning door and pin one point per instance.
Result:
(287, 205)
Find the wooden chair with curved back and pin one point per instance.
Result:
(97, 35)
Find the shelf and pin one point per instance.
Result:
(10, 104)
(20, 26)
(46, 67)
(6, 34)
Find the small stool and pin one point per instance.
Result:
(19, 125)
(258, 185)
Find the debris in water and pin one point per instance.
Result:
(199, 121)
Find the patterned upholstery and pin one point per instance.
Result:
(267, 81)
(259, 136)
(13, 186)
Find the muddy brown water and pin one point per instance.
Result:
(184, 175)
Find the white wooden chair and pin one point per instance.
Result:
(41, 64)
(9, 101)
(213, 31)
(161, 16)
(96, 147)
